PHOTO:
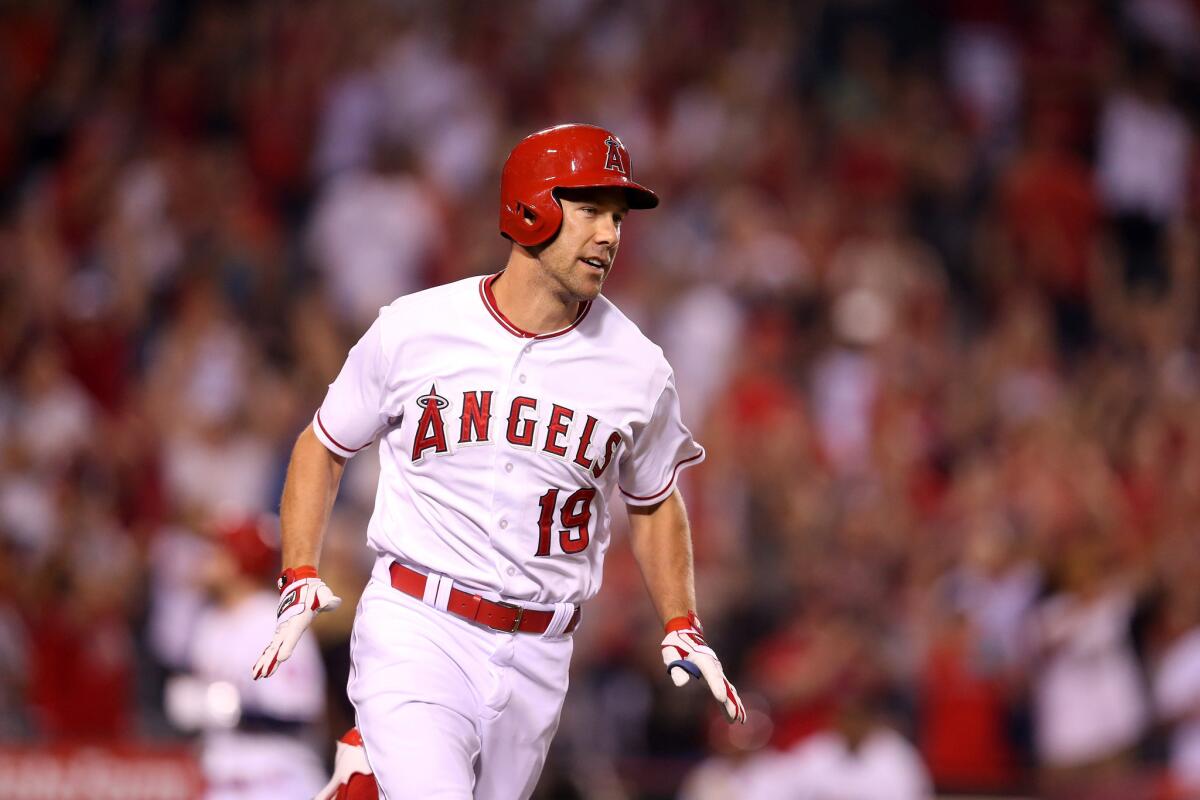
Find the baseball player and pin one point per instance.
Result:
(511, 410)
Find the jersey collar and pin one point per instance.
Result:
(489, 302)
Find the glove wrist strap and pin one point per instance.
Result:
(683, 623)
(293, 574)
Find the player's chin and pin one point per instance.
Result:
(590, 291)
(589, 281)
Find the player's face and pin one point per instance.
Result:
(580, 257)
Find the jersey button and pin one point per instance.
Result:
(503, 524)
(528, 348)
(508, 467)
(521, 378)
(511, 571)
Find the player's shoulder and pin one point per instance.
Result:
(426, 311)
(433, 301)
(611, 328)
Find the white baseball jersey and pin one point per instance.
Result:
(500, 449)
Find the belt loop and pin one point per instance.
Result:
(437, 591)
(443, 593)
(432, 582)
(563, 612)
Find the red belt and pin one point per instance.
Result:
(498, 615)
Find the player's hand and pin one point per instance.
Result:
(302, 596)
(688, 656)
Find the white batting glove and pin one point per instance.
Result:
(688, 656)
(302, 596)
(350, 760)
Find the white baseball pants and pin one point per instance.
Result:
(448, 709)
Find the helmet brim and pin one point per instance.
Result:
(637, 196)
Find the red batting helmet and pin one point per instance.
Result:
(570, 156)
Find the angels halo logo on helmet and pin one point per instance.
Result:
(571, 156)
(613, 160)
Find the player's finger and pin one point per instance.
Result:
(291, 631)
(734, 710)
(679, 676)
(681, 671)
(331, 602)
(273, 664)
(671, 654)
(711, 670)
(268, 655)
(262, 666)
(679, 668)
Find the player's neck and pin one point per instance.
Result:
(528, 300)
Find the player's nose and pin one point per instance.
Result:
(608, 231)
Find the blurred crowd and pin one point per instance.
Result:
(927, 272)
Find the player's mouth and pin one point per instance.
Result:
(596, 263)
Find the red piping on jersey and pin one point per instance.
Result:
(670, 483)
(489, 302)
(335, 441)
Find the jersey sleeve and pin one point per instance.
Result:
(662, 447)
(352, 414)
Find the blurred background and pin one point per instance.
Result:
(927, 273)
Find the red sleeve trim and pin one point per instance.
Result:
(670, 482)
(329, 436)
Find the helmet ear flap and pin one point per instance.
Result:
(527, 214)
(527, 224)
(531, 222)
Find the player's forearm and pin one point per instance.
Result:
(313, 476)
(662, 545)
